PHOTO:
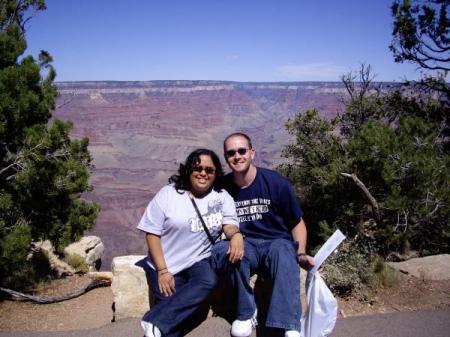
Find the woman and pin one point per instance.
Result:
(179, 247)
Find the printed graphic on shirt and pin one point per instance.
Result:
(213, 217)
(252, 209)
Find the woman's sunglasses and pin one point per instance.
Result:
(241, 151)
(208, 170)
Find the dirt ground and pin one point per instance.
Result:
(94, 308)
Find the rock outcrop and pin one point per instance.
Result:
(436, 267)
(90, 248)
(58, 266)
(130, 288)
(132, 294)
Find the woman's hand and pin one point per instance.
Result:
(166, 283)
(236, 247)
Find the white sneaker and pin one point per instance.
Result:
(291, 333)
(150, 330)
(244, 328)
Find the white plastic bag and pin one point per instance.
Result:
(321, 315)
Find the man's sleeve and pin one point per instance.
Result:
(291, 208)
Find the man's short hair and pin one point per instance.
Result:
(238, 134)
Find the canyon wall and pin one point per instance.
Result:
(140, 131)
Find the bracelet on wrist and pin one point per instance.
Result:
(163, 273)
(301, 254)
(165, 268)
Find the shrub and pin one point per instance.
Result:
(384, 275)
(353, 271)
(347, 272)
(78, 263)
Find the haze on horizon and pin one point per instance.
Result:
(233, 40)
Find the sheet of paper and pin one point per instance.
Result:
(328, 247)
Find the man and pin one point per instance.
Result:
(275, 240)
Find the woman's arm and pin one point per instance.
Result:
(166, 282)
(236, 247)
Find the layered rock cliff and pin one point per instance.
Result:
(140, 131)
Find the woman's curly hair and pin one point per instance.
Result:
(182, 180)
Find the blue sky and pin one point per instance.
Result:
(234, 40)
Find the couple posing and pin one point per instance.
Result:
(187, 216)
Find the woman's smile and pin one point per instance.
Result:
(202, 176)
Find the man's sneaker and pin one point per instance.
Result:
(291, 333)
(244, 328)
(150, 330)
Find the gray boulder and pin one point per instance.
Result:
(130, 287)
(90, 248)
(60, 267)
(436, 267)
(133, 297)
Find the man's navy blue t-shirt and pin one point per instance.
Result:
(267, 208)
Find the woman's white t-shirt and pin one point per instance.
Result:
(172, 216)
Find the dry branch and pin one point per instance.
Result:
(366, 191)
(18, 296)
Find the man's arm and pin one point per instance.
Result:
(300, 234)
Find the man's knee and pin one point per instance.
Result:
(281, 247)
(281, 254)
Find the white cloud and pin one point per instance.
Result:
(318, 71)
(234, 57)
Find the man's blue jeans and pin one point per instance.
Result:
(193, 285)
(275, 258)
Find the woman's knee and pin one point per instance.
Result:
(219, 258)
(204, 275)
(211, 281)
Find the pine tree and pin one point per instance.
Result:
(43, 172)
(379, 171)
(421, 33)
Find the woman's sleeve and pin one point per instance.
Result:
(152, 220)
(229, 211)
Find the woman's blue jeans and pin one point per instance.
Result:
(276, 259)
(193, 286)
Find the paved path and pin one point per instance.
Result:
(435, 323)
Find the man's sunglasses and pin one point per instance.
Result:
(208, 170)
(231, 153)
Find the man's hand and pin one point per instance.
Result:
(236, 248)
(305, 261)
(166, 283)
